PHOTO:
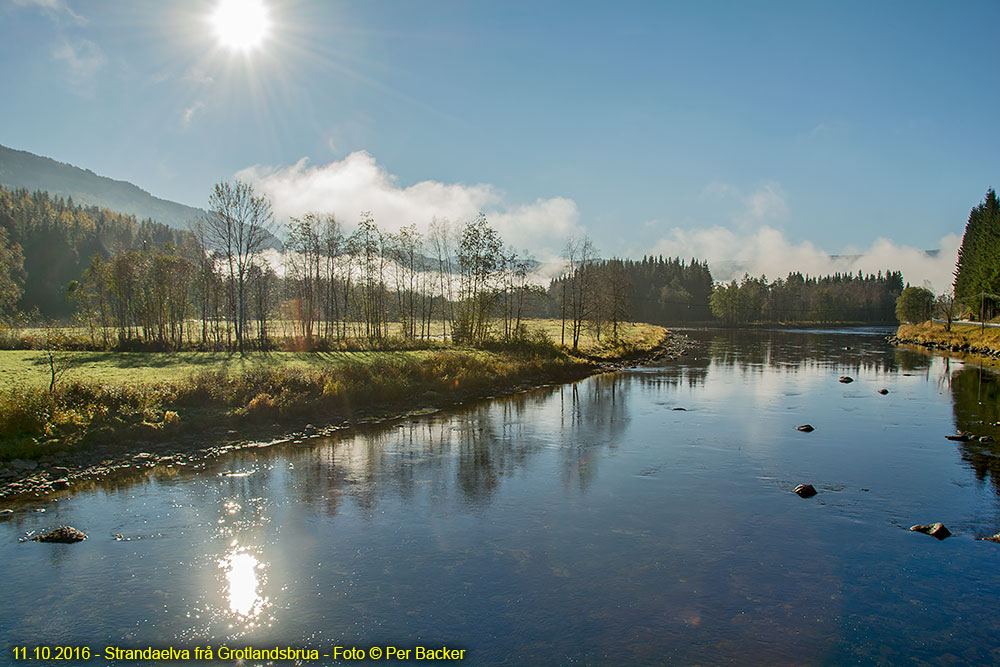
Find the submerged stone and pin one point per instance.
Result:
(937, 530)
(805, 428)
(959, 437)
(846, 379)
(62, 534)
(883, 391)
(804, 490)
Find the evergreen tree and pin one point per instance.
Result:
(978, 268)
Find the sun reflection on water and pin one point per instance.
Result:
(243, 573)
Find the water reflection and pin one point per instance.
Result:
(590, 523)
(976, 401)
(242, 572)
(802, 350)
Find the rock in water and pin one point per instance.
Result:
(846, 379)
(62, 534)
(805, 428)
(883, 391)
(805, 490)
(991, 538)
(937, 530)
(959, 437)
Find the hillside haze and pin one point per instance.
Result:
(21, 169)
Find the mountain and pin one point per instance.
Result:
(21, 169)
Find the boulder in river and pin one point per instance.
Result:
(959, 437)
(62, 534)
(805, 428)
(937, 530)
(804, 490)
(883, 391)
(846, 379)
(991, 538)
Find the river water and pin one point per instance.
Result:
(641, 517)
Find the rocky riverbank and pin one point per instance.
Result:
(63, 470)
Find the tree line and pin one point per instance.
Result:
(214, 287)
(604, 293)
(140, 285)
(800, 298)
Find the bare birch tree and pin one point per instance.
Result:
(238, 224)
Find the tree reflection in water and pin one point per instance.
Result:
(976, 401)
(753, 351)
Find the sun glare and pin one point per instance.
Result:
(241, 25)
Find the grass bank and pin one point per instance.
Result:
(118, 399)
(962, 338)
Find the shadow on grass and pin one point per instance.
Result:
(220, 361)
(146, 359)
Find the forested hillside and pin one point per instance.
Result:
(21, 169)
(57, 240)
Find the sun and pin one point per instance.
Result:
(241, 25)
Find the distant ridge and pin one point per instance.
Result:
(21, 169)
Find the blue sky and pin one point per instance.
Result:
(734, 130)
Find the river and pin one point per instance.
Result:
(639, 517)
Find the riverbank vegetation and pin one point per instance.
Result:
(107, 397)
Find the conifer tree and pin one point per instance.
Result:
(978, 268)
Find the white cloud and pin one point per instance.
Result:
(190, 112)
(84, 59)
(357, 183)
(767, 251)
(197, 74)
(765, 203)
(54, 8)
(753, 242)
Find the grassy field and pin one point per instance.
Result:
(120, 397)
(31, 367)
